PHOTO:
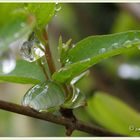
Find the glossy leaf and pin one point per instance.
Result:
(9, 35)
(9, 9)
(44, 96)
(25, 72)
(76, 99)
(92, 50)
(114, 114)
(77, 78)
(43, 12)
(14, 25)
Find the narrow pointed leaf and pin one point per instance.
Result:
(92, 50)
(43, 12)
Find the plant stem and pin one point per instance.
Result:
(43, 37)
(43, 69)
(78, 125)
(48, 53)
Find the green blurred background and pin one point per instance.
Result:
(118, 76)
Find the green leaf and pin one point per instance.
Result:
(13, 31)
(25, 73)
(43, 12)
(79, 77)
(92, 50)
(14, 25)
(44, 96)
(75, 100)
(114, 114)
(8, 9)
(18, 22)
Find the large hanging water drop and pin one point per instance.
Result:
(44, 96)
(32, 49)
(7, 61)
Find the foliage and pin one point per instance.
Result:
(111, 113)
(75, 61)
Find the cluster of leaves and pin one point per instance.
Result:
(75, 61)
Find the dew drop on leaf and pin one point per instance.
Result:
(115, 45)
(73, 45)
(136, 40)
(77, 78)
(7, 61)
(16, 35)
(102, 50)
(127, 43)
(68, 61)
(32, 50)
(23, 24)
(44, 96)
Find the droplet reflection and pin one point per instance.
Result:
(32, 50)
(7, 61)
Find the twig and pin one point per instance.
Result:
(78, 125)
(48, 54)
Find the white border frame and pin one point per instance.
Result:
(70, 138)
(70, 1)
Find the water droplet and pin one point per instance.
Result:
(67, 60)
(7, 61)
(73, 45)
(43, 61)
(87, 60)
(115, 45)
(77, 78)
(102, 50)
(32, 50)
(136, 40)
(23, 24)
(16, 35)
(127, 44)
(57, 7)
(44, 96)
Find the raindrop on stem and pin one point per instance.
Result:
(32, 49)
(44, 96)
